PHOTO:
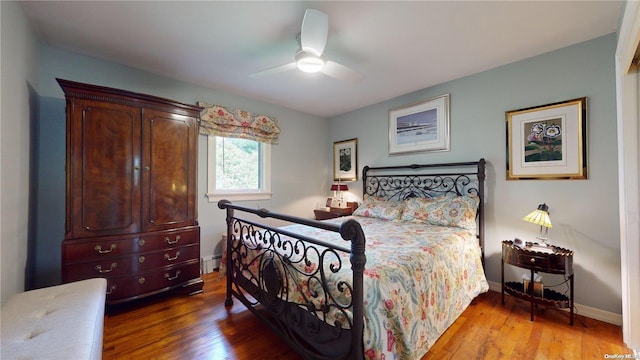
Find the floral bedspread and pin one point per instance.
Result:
(418, 279)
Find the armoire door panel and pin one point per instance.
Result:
(168, 195)
(106, 183)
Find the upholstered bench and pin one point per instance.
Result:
(59, 322)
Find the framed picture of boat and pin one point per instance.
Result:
(419, 127)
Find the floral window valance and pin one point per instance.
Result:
(220, 121)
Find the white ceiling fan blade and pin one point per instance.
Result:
(341, 72)
(274, 70)
(315, 27)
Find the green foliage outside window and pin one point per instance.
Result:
(237, 164)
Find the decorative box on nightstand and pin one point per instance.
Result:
(555, 260)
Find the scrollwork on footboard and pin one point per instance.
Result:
(301, 287)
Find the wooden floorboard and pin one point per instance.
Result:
(200, 327)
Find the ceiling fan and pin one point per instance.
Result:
(310, 55)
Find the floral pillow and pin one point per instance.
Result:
(379, 208)
(458, 211)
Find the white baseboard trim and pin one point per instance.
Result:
(584, 310)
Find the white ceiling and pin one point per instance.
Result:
(399, 46)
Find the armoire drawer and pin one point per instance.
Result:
(78, 250)
(130, 264)
(146, 283)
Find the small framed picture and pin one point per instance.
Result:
(329, 202)
(345, 160)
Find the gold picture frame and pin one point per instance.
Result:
(548, 141)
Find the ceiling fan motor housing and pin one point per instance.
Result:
(308, 61)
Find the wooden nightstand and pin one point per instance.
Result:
(335, 212)
(560, 261)
(332, 213)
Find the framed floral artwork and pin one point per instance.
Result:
(548, 141)
(345, 160)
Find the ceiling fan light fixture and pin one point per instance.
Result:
(309, 62)
(310, 58)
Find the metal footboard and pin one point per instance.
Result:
(284, 278)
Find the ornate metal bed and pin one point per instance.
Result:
(327, 321)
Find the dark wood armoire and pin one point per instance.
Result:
(131, 206)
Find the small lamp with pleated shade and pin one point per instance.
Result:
(540, 216)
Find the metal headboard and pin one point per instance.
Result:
(427, 181)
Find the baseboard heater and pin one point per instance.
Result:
(210, 263)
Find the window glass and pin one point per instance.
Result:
(239, 169)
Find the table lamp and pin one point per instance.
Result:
(337, 189)
(540, 216)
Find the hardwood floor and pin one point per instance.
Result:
(200, 327)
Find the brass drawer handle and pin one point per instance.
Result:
(113, 287)
(113, 266)
(533, 260)
(166, 256)
(141, 280)
(141, 242)
(111, 248)
(171, 242)
(141, 259)
(168, 277)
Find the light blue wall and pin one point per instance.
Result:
(50, 190)
(300, 170)
(584, 212)
(18, 110)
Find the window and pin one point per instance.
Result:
(238, 169)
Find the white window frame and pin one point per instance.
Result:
(214, 195)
